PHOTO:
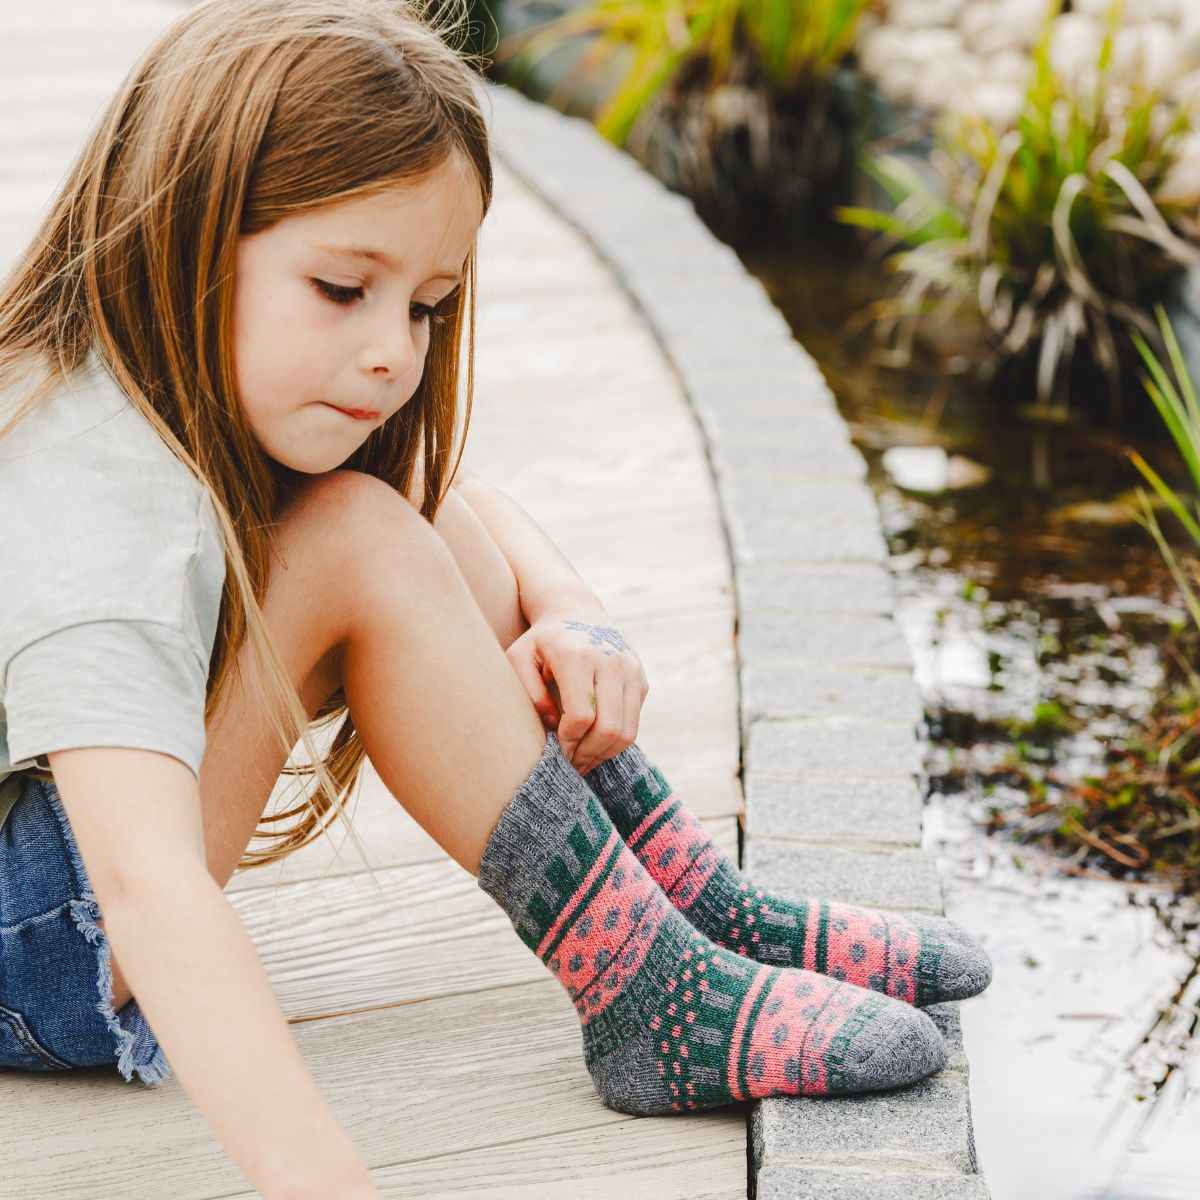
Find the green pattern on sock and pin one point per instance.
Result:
(918, 959)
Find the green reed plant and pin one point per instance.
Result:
(1057, 228)
(654, 40)
(1174, 396)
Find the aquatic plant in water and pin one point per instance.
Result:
(1059, 230)
(1144, 811)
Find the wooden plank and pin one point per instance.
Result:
(459, 1076)
(632, 1160)
(336, 945)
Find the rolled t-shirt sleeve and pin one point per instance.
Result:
(133, 683)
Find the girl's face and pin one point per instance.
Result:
(331, 311)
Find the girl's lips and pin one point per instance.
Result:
(359, 414)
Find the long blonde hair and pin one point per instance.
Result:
(241, 113)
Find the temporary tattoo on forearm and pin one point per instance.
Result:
(599, 634)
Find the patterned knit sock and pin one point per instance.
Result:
(918, 959)
(671, 1022)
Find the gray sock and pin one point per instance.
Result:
(671, 1021)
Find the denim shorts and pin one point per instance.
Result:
(55, 975)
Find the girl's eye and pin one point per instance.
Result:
(427, 315)
(422, 313)
(336, 293)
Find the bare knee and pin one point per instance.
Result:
(361, 544)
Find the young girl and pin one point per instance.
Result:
(230, 363)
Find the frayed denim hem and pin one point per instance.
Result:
(138, 1051)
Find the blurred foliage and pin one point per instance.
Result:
(1056, 229)
(733, 103)
(657, 38)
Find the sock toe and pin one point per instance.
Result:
(895, 1052)
(965, 969)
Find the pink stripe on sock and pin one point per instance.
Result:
(739, 1029)
(686, 845)
(804, 1012)
(655, 813)
(611, 927)
(568, 909)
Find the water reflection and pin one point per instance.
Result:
(1084, 1074)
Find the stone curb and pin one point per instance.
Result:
(828, 706)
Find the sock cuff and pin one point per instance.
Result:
(621, 783)
(621, 771)
(533, 827)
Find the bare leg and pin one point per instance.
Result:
(444, 718)
(483, 566)
(312, 598)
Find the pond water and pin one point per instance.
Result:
(1085, 1072)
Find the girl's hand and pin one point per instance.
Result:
(598, 679)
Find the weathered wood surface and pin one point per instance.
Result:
(444, 1046)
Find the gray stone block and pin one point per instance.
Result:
(798, 690)
(754, 500)
(797, 425)
(728, 355)
(848, 591)
(718, 316)
(798, 461)
(865, 641)
(842, 809)
(832, 747)
(793, 539)
(948, 1018)
(794, 1181)
(905, 880)
(922, 1127)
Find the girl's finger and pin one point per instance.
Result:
(633, 709)
(610, 717)
(577, 698)
(529, 675)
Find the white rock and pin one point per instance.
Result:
(879, 46)
(990, 28)
(1075, 47)
(897, 80)
(1009, 66)
(924, 14)
(1148, 52)
(1099, 9)
(998, 103)
(938, 86)
(929, 46)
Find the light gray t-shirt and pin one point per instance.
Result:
(111, 570)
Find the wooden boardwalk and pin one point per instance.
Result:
(442, 1043)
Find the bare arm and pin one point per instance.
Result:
(545, 578)
(196, 974)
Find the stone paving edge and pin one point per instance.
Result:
(814, 600)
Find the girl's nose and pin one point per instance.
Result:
(393, 350)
